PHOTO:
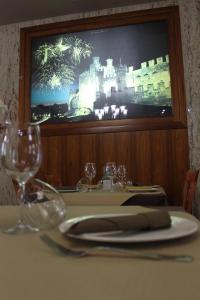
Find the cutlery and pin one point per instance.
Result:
(110, 251)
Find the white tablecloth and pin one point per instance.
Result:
(29, 270)
(104, 198)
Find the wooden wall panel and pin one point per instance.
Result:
(71, 168)
(160, 158)
(52, 156)
(151, 157)
(179, 158)
(106, 150)
(88, 150)
(123, 149)
(141, 158)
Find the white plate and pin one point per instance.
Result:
(181, 227)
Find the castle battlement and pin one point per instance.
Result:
(154, 62)
(151, 80)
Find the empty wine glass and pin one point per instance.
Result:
(90, 171)
(21, 159)
(122, 174)
(45, 207)
(111, 171)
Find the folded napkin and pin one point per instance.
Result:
(142, 221)
(142, 188)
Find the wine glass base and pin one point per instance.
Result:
(21, 228)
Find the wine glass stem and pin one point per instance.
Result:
(21, 200)
(90, 182)
(112, 184)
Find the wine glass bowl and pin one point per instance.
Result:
(90, 171)
(21, 153)
(44, 207)
(111, 171)
(21, 159)
(122, 174)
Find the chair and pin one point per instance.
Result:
(189, 189)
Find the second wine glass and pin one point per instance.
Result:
(111, 170)
(122, 174)
(21, 158)
(90, 171)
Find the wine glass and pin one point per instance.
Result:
(21, 158)
(111, 171)
(90, 171)
(122, 174)
(45, 207)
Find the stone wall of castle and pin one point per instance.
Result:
(149, 84)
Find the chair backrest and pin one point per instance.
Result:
(189, 189)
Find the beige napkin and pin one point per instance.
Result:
(142, 221)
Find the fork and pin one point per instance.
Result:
(110, 251)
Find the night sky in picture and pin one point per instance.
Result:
(133, 44)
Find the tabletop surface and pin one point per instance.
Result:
(30, 270)
(98, 197)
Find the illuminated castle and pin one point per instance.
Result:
(147, 85)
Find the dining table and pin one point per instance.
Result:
(151, 195)
(29, 269)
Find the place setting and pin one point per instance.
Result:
(111, 186)
(113, 179)
(112, 235)
(128, 228)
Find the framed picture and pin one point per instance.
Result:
(109, 73)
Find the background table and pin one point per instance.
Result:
(30, 270)
(96, 197)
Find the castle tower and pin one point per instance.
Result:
(121, 76)
(109, 69)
